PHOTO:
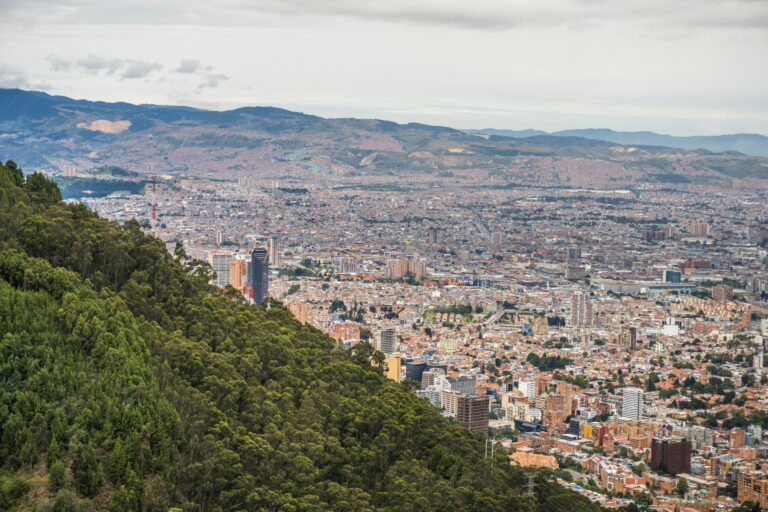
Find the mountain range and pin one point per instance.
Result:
(53, 133)
(746, 143)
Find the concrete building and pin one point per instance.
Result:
(632, 404)
(472, 411)
(220, 262)
(671, 455)
(387, 341)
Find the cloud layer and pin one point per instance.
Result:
(94, 65)
(474, 14)
(682, 66)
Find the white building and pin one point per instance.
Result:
(632, 404)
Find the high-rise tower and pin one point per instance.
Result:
(260, 274)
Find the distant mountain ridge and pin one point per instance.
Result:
(55, 133)
(747, 143)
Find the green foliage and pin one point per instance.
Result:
(121, 367)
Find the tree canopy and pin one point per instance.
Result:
(128, 382)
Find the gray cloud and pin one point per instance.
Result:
(59, 64)
(139, 69)
(97, 65)
(11, 78)
(477, 14)
(212, 80)
(94, 64)
(188, 66)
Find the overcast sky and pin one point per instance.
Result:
(673, 66)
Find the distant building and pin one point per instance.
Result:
(575, 272)
(260, 274)
(393, 367)
(527, 388)
(274, 251)
(753, 486)
(699, 229)
(472, 411)
(722, 293)
(628, 338)
(464, 384)
(387, 341)
(573, 253)
(581, 310)
(237, 271)
(399, 269)
(496, 240)
(415, 369)
(632, 404)
(672, 276)
(671, 455)
(220, 262)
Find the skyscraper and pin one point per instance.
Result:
(632, 404)
(260, 274)
(387, 341)
(237, 270)
(220, 262)
(274, 251)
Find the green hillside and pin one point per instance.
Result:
(129, 383)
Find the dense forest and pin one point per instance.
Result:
(128, 382)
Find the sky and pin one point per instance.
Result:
(683, 67)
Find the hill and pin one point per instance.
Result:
(746, 143)
(49, 133)
(129, 383)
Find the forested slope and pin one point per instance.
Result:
(127, 382)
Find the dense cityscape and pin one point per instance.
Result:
(615, 336)
(384, 256)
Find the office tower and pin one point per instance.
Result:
(464, 384)
(573, 253)
(237, 271)
(672, 276)
(260, 274)
(671, 455)
(387, 341)
(472, 411)
(219, 238)
(220, 262)
(757, 361)
(527, 388)
(581, 310)
(433, 235)
(414, 370)
(722, 293)
(632, 404)
(274, 251)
